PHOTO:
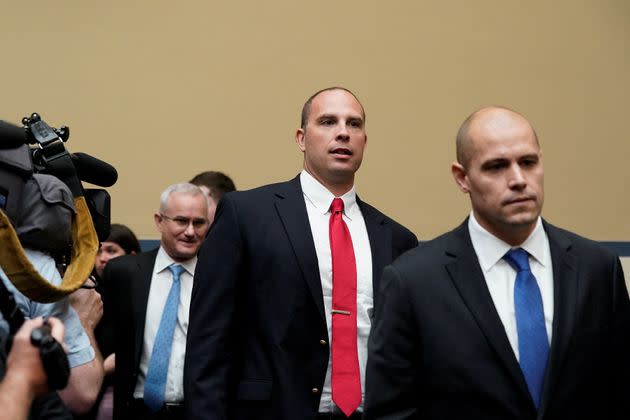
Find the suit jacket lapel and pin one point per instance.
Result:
(380, 243)
(140, 286)
(292, 212)
(469, 280)
(565, 287)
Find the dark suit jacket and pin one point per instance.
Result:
(254, 347)
(438, 349)
(126, 283)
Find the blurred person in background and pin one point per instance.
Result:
(214, 184)
(121, 241)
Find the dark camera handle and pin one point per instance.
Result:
(54, 359)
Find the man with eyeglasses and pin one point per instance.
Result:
(147, 298)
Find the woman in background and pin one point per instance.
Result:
(121, 241)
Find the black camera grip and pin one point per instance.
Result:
(53, 357)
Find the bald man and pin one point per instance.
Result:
(282, 303)
(507, 316)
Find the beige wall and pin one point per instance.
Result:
(163, 90)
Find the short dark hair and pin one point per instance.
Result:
(124, 237)
(306, 109)
(217, 182)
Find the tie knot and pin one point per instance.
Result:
(336, 206)
(518, 259)
(176, 269)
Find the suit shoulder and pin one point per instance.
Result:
(577, 243)
(262, 191)
(371, 211)
(126, 262)
(428, 254)
(119, 263)
(248, 205)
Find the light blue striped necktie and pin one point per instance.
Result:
(155, 381)
(533, 345)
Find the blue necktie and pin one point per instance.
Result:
(158, 364)
(533, 346)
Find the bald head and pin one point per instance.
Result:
(486, 121)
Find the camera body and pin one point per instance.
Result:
(39, 179)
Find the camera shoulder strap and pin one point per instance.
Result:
(25, 277)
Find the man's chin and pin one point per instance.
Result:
(186, 253)
(342, 173)
(523, 220)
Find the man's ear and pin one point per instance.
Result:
(299, 138)
(460, 176)
(158, 221)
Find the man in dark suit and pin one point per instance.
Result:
(264, 308)
(507, 316)
(147, 299)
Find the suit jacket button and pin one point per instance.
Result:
(315, 390)
(323, 342)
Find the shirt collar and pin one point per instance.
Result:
(321, 198)
(490, 249)
(163, 261)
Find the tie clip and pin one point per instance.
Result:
(337, 311)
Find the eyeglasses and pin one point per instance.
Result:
(184, 222)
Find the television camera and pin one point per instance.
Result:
(43, 206)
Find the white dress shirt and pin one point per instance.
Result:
(318, 200)
(161, 282)
(500, 276)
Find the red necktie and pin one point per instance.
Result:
(346, 381)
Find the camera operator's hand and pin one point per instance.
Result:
(85, 379)
(25, 377)
(24, 359)
(89, 307)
